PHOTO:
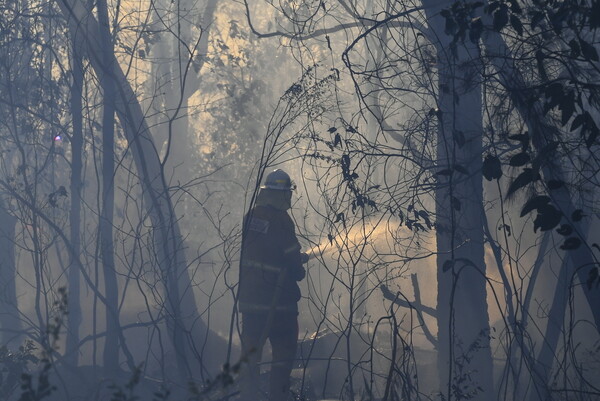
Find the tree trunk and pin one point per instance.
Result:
(74, 317)
(105, 226)
(464, 355)
(193, 342)
(10, 321)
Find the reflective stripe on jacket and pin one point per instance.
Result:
(271, 262)
(253, 264)
(259, 308)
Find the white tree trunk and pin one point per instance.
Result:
(463, 323)
(105, 224)
(74, 317)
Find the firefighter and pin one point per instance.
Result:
(271, 266)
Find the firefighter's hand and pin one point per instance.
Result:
(304, 257)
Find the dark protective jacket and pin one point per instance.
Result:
(271, 262)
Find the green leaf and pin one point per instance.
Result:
(579, 120)
(525, 178)
(523, 138)
(517, 25)
(337, 140)
(570, 244)
(588, 51)
(565, 230)
(425, 216)
(567, 106)
(536, 18)
(450, 263)
(577, 215)
(520, 159)
(548, 217)
(535, 203)
(515, 7)
(500, 17)
(575, 48)
(556, 20)
(475, 30)
(492, 6)
(555, 89)
(492, 168)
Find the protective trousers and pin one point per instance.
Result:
(283, 336)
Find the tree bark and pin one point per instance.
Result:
(74, 317)
(464, 355)
(105, 226)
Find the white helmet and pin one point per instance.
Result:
(279, 180)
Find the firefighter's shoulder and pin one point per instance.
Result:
(258, 221)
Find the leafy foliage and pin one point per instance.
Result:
(13, 365)
(568, 97)
(492, 168)
(543, 127)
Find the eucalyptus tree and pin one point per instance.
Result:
(106, 221)
(75, 185)
(187, 331)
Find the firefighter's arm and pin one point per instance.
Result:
(295, 260)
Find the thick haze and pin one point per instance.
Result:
(445, 161)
